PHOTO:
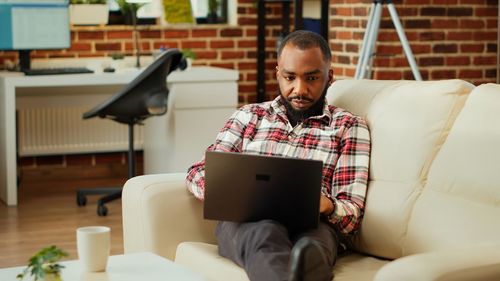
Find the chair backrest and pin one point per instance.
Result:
(146, 95)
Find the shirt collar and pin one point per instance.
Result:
(278, 106)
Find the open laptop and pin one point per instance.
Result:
(243, 187)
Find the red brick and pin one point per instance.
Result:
(90, 35)
(432, 36)
(485, 36)
(193, 44)
(459, 12)
(247, 44)
(484, 60)
(119, 34)
(231, 32)
(223, 65)
(222, 44)
(486, 12)
(340, 11)
(80, 46)
(150, 34)
(431, 61)
(247, 21)
(247, 65)
(108, 46)
(382, 62)
(472, 23)
(206, 54)
(420, 48)
(459, 36)
(443, 74)
(388, 75)
(247, 88)
(388, 36)
(470, 73)
(445, 2)
(472, 48)
(458, 61)
(204, 33)
(444, 23)
(389, 49)
(445, 48)
(491, 23)
(176, 33)
(165, 44)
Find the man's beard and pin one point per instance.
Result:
(296, 116)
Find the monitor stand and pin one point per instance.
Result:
(24, 59)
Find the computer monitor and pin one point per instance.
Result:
(27, 25)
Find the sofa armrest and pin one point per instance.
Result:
(159, 213)
(479, 263)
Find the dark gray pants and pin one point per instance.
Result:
(263, 248)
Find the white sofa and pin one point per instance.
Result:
(433, 203)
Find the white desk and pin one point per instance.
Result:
(133, 267)
(197, 95)
(10, 84)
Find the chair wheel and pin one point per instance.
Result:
(81, 200)
(102, 211)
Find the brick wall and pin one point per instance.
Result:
(450, 39)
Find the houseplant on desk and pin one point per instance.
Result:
(88, 12)
(43, 265)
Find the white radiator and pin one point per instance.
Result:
(61, 130)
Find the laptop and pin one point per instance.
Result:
(243, 188)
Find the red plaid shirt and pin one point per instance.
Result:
(337, 137)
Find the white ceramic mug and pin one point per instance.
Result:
(93, 245)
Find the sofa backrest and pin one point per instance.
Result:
(460, 204)
(408, 122)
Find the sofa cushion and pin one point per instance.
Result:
(408, 122)
(460, 205)
(203, 258)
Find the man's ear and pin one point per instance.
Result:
(330, 76)
(277, 72)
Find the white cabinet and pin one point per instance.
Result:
(201, 99)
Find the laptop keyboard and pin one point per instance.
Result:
(57, 71)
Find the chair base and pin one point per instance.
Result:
(112, 193)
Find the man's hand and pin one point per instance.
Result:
(325, 205)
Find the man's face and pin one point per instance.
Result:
(303, 76)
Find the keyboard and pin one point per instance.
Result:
(57, 71)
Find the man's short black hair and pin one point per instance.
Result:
(303, 40)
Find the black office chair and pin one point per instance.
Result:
(145, 96)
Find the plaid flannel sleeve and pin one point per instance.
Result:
(229, 139)
(350, 177)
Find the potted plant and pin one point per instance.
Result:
(43, 265)
(189, 55)
(88, 12)
(213, 7)
(128, 10)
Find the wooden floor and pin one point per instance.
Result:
(47, 214)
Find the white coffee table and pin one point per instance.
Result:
(141, 266)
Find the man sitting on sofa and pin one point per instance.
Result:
(297, 123)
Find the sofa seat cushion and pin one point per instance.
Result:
(354, 267)
(203, 258)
